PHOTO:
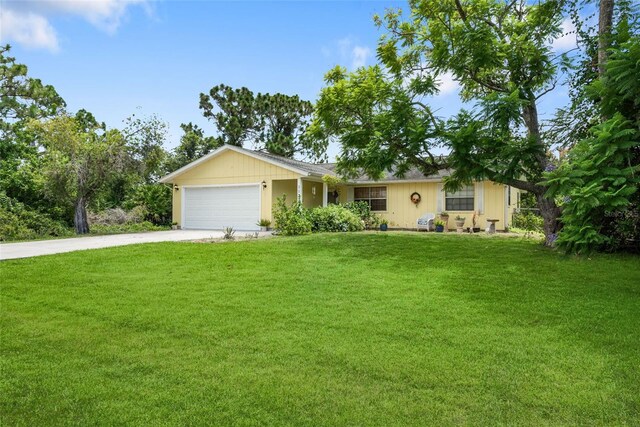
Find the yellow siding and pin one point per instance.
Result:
(231, 167)
(288, 188)
(402, 213)
(309, 200)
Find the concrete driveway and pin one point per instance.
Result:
(48, 247)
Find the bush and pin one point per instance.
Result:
(156, 201)
(291, 220)
(335, 218)
(17, 222)
(363, 211)
(528, 221)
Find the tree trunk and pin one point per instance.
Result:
(548, 209)
(605, 22)
(550, 213)
(80, 218)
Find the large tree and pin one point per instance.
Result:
(598, 178)
(193, 145)
(22, 98)
(276, 123)
(80, 156)
(500, 54)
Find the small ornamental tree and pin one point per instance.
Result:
(80, 157)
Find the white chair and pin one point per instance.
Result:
(425, 222)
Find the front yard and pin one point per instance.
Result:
(334, 329)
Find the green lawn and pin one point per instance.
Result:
(358, 329)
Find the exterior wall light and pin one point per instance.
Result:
(175, 187)
(264, 184)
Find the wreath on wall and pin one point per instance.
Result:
(415, 197)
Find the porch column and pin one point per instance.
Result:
(300, 190)
(325, 190)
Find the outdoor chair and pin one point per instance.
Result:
(425, 222)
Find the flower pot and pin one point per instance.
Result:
(263, 229)
(439, 228)
(383, 227)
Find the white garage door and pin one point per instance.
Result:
(218, 207)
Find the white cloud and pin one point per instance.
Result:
(568, 38)
(28, 29)
(104, 14)
(447, 84)
(359, 56)
(348, 51)
(28, 21)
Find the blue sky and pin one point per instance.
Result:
(119, 57)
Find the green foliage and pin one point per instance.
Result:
(363, 211)
(23, 98)
(501, 56)
(145, 138)
(80, 157)
(264, 223)
(528, 221)
(276, 123)
(599, 181)
(291, 220)
(156, 201)
(193, 145)
(18, 222)
(335, 218)
(376, 121)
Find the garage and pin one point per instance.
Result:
(216, 207)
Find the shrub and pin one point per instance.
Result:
(155, 199)
(335, 218)
(17, 222)
(363, 211)
(291, 220)
(528, 221)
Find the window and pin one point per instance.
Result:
(376, 197)
(461, 200)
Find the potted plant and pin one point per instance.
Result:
(264, 224)
(444, 216)
(384, 224)
(175, 226)
(439, 226)
(459, 223)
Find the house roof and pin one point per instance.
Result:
(412, 175)
(307, 169)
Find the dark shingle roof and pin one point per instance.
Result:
(412, 174)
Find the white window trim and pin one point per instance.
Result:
(386, 198)
(475, 201)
